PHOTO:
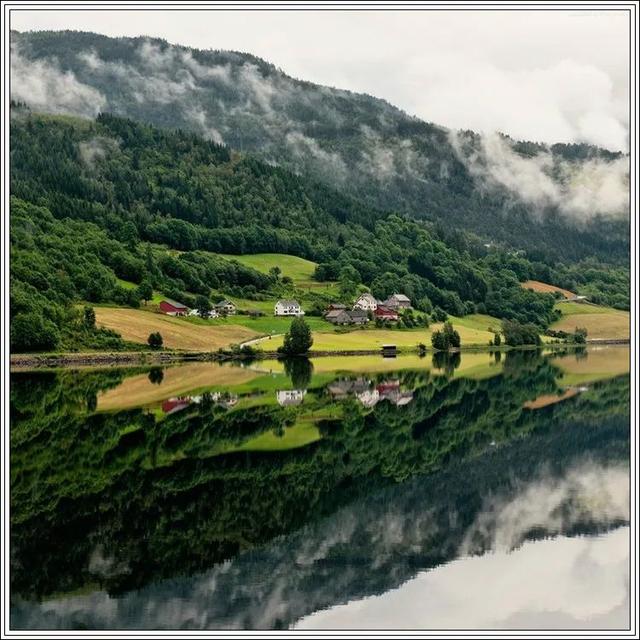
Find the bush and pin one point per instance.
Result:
(33, 332)
(155, 340)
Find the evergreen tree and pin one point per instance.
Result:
(298, 339)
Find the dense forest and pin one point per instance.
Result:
(98, 202)
(558, 202)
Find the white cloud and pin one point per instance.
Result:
(548, 76)
(43, 86)
(580, 190)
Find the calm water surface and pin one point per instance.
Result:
(480, 491)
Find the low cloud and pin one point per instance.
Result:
(93, 150)
(578, 189)
(45, 87)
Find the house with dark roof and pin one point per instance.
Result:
(225, 307)
(397, 301)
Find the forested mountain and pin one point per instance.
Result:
(94, 201)
(563, 202)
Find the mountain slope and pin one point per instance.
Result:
(564, 201)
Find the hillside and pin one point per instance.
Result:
(559, 202)
(111, 210)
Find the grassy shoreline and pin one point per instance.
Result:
(25, 361)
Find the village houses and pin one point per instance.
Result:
(288, 308)
(367, 306)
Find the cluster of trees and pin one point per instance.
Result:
(445, 338)
(517, 334)
(92, 200)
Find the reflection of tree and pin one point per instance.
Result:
(447, 360)
(300, 370)
(181, 494)
(156, 375)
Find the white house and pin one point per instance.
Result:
(225, 307)
(288, 308)
(369, 397)
(366, 302)
(288, 397)
(212, 313)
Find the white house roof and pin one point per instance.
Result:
(289, 303)
(401, 297)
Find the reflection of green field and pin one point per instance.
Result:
(601, 363)
(302, 433)
(478, 365)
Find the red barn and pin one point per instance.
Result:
(172, 308)
(384, 313)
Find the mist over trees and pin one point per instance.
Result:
(559, 202)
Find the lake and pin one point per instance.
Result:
(463, 491)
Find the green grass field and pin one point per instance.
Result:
(600, 322)
(298, 269)
(372, 338)
(155, 300)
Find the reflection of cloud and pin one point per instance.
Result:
(550, 504)
(565, 583)
(372, 546)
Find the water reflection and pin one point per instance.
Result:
(279, 491)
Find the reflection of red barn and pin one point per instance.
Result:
(384, 313)
(175, 404)
(387, 386)
(172, 308)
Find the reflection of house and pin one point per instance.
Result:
(397, 301)
(172, 405)
(225, 308)
(366, 302)
(172, 308)
(289, 397)
(288, 308)
(346, 386)
(390, 390)
(368, 397)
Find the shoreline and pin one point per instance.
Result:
(27, 361)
